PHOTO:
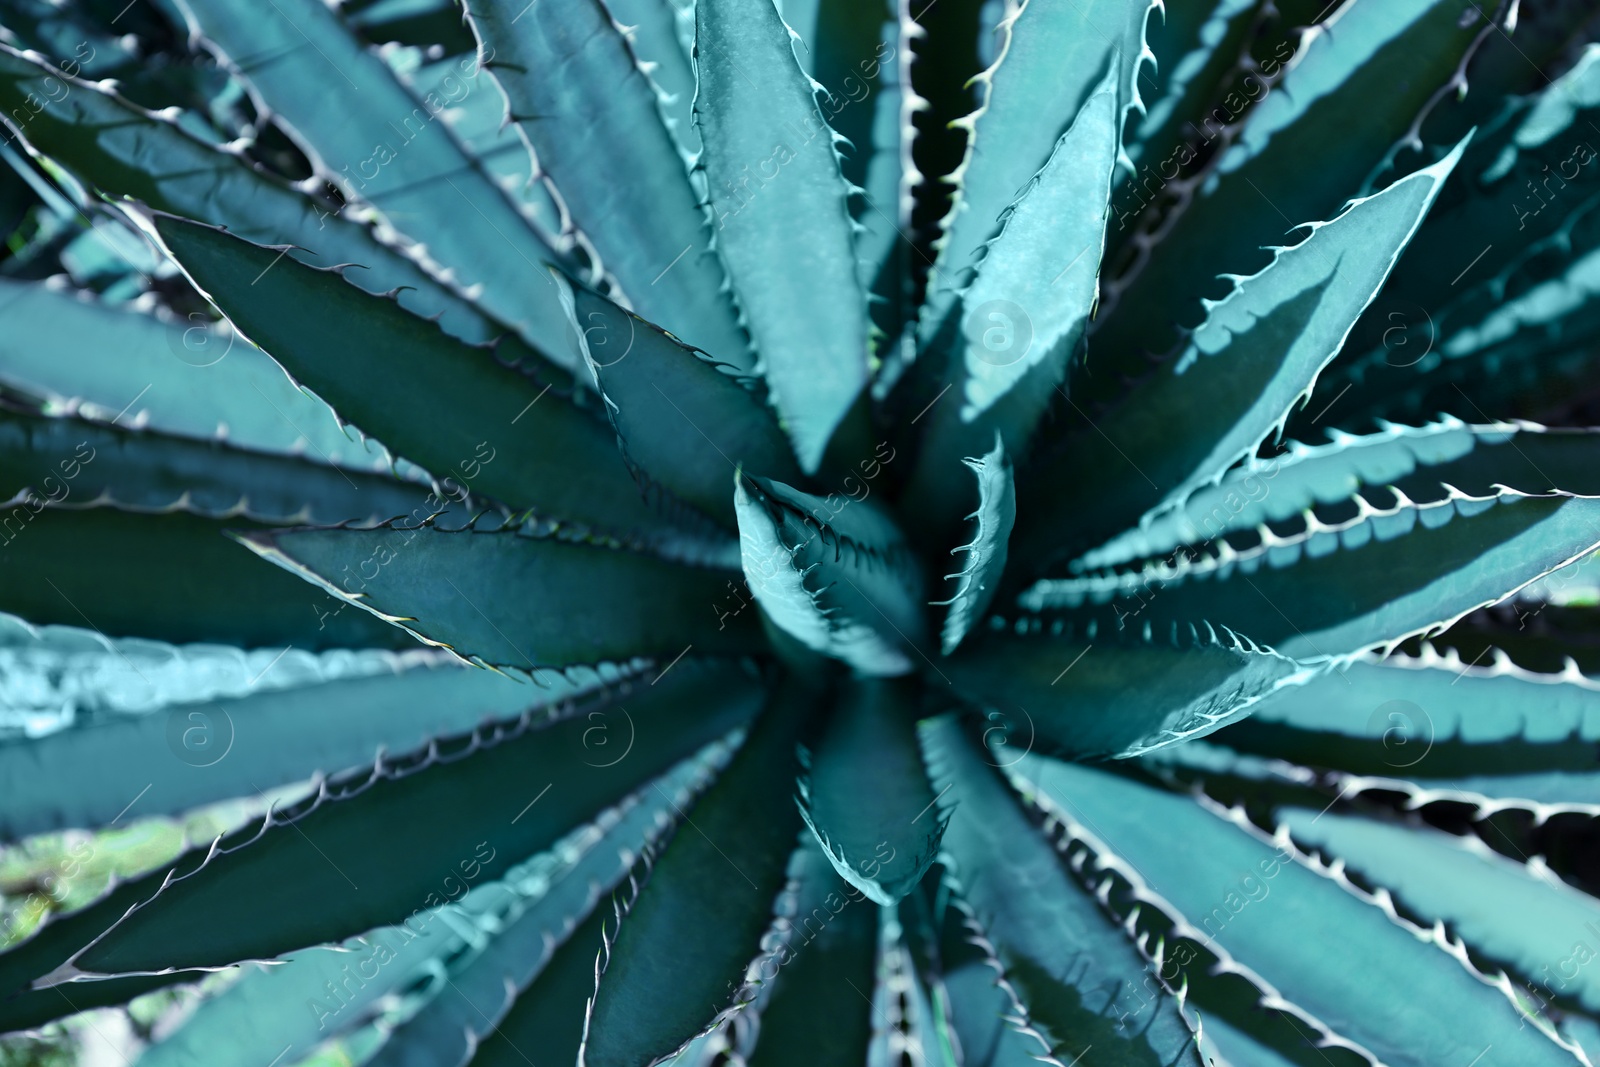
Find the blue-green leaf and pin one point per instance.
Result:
(1255, 358)
(865, 795)
(979, 577)
(385, 147)
(575, 602)
(577, 92)
(1051, 57)
(1368, 583)
(676, 957)
(1519, 915)
(832, 572)
(1070, 964)
(1097, 692)
(791, 250)
(215, 749)
(1379, 984)
(684, 421)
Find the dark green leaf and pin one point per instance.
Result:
(573, 602)
(865, 795)
(578, 94)
(1068, 962)
(789, 250)
(677, 955)
(979, 577)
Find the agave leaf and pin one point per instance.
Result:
(1433, 717)
(454, 409)
(1519, 915)
(866, 797)
(661, 35)
(1195, 46)
(419, 23)
(118, 364)
(1023, 317)
(683, 421)
(1257, 356)
(821, 970)
(69, 566)
(515, 924)
(1067, 962)
(979, 577)
(678, 951)
(1051, 58)
(329, 876)
(1415, 461)
(577, 92)
(842, 583)
(1100, 693)
(31, 1010)
(1216, 871)
(387, 148)
(786, 253)
(574, 602)
(129, 152)
(1417, 569)
(1493, 211)
(238, 746)
(1389, 63)
(139, 470)
(500, 996)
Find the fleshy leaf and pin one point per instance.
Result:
(1369, 583)
(578, 94)
(473, 805)
(979, 577)
(572, 602)
(677, 953)
(1387, 988)
(1043, 929)
(383, 146)
(789, 253)
(1255, 358)
(452, 408)
(865, 795)
(683, 421)
(1096, 692)
(844, 584)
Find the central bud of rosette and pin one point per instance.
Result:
(833, 572)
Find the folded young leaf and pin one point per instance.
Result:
(383, 146)
(865, 795)
(1336, 591)
(575, 603)
(448, 406)
(1243, 371)
(834, 573)
(683, 420)
(471, 807)
(790, 252)
(979, 577)
(578, 94)
(1069, 965)
(675, 958)
(1391, 991)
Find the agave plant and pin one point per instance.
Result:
(807, 533)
